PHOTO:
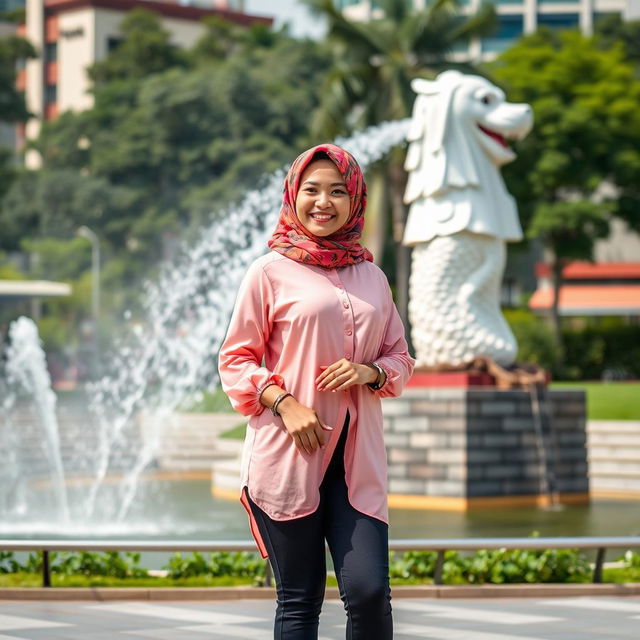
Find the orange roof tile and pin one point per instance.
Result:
(591, 299)
(593, 270)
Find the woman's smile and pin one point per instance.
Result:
(323, 202)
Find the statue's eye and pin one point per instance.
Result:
(487, 99)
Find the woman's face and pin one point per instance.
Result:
(322, 203)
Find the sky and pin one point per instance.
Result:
(302, 22)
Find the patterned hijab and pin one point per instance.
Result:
(338, 249)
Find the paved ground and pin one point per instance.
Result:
(513, 619)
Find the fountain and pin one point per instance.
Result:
(157, 367)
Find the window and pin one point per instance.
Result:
(559, 20)
(51, 52)
(113, 43)
(510, 28)
(50, 93)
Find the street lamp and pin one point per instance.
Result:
(88, 234)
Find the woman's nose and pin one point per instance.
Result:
(322, 200)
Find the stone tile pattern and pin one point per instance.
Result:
(478, 443)
(614, 456)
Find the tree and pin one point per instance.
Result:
(611, 30)
(581, 163)
(369, 83)
(13, 49)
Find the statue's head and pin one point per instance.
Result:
(461, 119)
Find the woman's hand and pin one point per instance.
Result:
(344, 374)
(303, 425)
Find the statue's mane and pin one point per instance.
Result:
(440, 156)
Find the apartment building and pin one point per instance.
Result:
(71, 35)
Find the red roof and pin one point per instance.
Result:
(593, 270)
(597, 300)
(168, 9)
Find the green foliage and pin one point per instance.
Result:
(145, 49)
(593, 349)
(496, 566)
(374, 62)
(13, 107)
(108, 563)
(222, 563)
(8, 564)
(8, 271)
(630, 559)
(587, 125)
(570, 228)
(536, 341)
(586, 352)
(174, 137)
(612, 29)
(209, 402)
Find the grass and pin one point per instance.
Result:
(237, 433)
(608, 400)
(210, 402)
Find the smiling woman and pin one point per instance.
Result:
(315, 338)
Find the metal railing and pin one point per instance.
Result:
(439, 545)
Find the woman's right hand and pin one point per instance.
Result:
(303, 425)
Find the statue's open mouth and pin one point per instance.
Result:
(500, 139)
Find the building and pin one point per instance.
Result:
(515, 18)
(73, 34)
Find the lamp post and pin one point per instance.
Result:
(88, 234)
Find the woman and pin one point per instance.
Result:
(316, 341)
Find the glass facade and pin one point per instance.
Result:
(510, 28)
(559, 20)
(10, 5)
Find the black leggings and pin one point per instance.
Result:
(359, 547)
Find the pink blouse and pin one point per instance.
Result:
(290, 320)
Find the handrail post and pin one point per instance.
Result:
(46, 575)
(437, 574)
(597, 569)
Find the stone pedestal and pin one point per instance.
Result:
(462, 448)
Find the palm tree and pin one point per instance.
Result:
(369, 83)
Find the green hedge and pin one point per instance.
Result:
(610, 346)
(498, 566)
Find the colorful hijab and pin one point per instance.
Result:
(339, 249)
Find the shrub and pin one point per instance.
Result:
(495, 566)
(240, 564)
(592, 350)
(536, 342)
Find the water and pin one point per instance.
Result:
(164, 361)
(27, 374)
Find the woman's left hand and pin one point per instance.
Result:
(344, 374)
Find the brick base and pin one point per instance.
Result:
(463, 446)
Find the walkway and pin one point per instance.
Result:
(583, 618)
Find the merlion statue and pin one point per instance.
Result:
(460, 218)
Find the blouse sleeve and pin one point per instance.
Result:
(394, 355)
(242, 375)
